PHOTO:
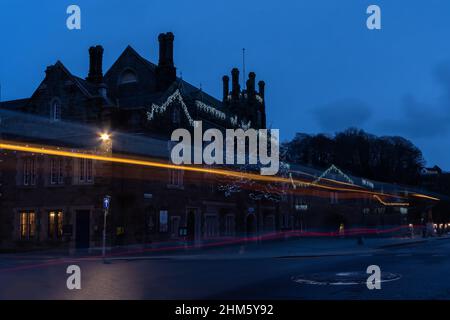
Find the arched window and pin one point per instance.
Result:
(56, 110)
(128, 76)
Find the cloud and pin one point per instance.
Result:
(342, 114)
(419, 120)
(424, 119)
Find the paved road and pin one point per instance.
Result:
(424, 271)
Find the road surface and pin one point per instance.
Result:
(423, 272)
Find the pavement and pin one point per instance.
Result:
(290, 269)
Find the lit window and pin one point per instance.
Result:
(55, 224)
(57, 171)
(29, 171)
(56, 110)
(27, 225)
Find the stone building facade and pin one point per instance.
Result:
(49, 200)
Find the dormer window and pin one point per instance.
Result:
(128, 76)
(56, 110)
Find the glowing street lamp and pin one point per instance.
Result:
(105, 137)
(106, 142)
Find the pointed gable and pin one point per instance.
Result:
(131, 80)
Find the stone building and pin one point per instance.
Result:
(53, 199)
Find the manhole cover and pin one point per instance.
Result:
(342, 278)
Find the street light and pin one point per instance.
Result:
(106, 142)
(105, 137)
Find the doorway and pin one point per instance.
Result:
(82, 236)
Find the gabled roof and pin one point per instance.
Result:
(129, 50)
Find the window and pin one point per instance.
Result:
(27, 225)
(174, 226)
(29, 171)
(128, 76)
(176, 178)
(334, 198)
(211, 226)
(56, 110)
(55, 224)
(56, 171)
(229, 225)
(176, 116)
(85, 173)
(163, 221)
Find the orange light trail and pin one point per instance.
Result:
(236, 174)
(392, 204)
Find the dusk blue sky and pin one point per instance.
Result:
(324, 70)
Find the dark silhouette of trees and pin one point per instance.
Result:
(389, 159)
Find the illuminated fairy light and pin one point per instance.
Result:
(213, 111)
(236, 174)
(335, 169)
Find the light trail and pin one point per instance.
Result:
(392, 204)
(236, 174)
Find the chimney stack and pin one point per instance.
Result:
(169, 48)
(251, 84)
(235, 87)
(261, 86)
(166, 71)
(95, 65)
(162, 49)
(226, 87)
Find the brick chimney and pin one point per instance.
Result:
(226, 87)
(235, 87)
(261, 88)
(251, 84)
(95, 65)
(166, 71)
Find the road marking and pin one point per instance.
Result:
(404, 255)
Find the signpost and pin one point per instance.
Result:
(106, 202)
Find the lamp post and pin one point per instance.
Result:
(106, 202)
(106, 148)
